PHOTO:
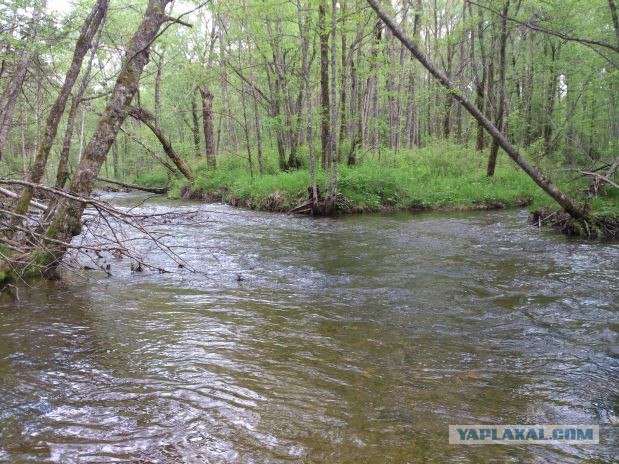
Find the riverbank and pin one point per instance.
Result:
(441, 177)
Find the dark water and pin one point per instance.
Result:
(351, 340)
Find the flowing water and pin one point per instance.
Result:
(349, 340)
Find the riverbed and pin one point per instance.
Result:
(357, 339)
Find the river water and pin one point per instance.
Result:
(302, 340)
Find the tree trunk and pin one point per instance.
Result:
(333, 102)
(131, 136)
(195, 128)
(295, 113)
(148, 120)
(324, 86)
(343, 84)
(412, 135)
(494, 149)
(87, 33)
(62, 172)
(480, 84)
(159, 191)
(9, 97)
(276, 99)
(279, 133)
(448, 98)
(308, 103)
(537, 177)
(67, 217)
(115, 159)
(258, 123)
(255, 101)
(246, 129)
(207, 121)
(158, 89)
(550, 102)
(527, 92)
(357, 103)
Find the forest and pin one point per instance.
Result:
(309, 107)
(309, 231)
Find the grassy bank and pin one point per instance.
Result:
(440, 177)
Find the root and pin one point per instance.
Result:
(606, 227)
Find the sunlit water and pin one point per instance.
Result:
(349, 340)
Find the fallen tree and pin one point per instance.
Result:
(163, 162)
(35, 243)
(159, 191)
(140, 114)
(545, 184)
(598, 180)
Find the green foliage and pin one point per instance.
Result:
(558, 91)
(606, 205)
(158, 177)
(443, 175)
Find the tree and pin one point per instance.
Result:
(83, 44)
(207, 122)
(494, 149)
(9, 97)
(308, 102)
(66, 219)
(333, 103)
(541, 180)
(325, 109)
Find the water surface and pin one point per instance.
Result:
(349, 340)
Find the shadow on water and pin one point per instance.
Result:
(357, 339)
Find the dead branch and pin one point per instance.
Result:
(13, 195)
(158, 191)
(107, 232)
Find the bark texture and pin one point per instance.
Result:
(207, 122)
(66, 222)
(84, 41)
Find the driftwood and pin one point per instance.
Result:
(596, 185)
(109, 234)
(13, 195)
(159, 191)
(304, 208)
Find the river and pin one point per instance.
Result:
(335, 340)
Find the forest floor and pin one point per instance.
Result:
(441, 177)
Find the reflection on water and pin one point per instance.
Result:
(351, 340)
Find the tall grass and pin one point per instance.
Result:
(442, 175)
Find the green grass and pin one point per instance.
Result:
(440, 176)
